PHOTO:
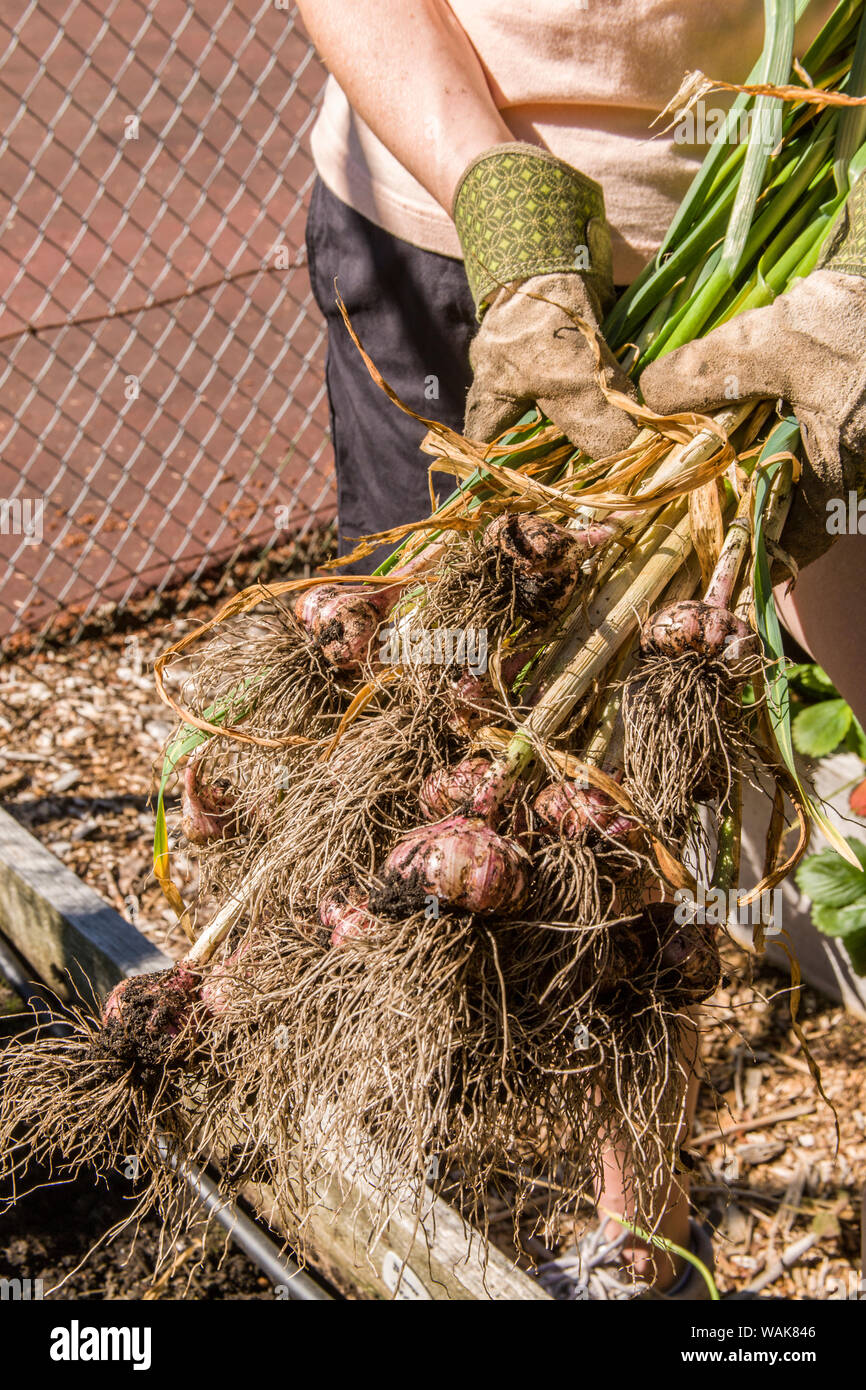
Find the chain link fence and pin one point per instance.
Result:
(161, 358)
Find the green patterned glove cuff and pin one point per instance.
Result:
(845, 247)
(520, 211)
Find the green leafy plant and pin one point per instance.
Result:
(824, 722)
(838, 894)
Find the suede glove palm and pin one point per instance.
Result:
(809, 348)
(530, 225)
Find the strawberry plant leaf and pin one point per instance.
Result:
(820, 728)
(829, 881)
(811, 679)
(855, 945)
(841, 921)
(848, 925)
(855, 741)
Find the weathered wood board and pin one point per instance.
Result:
(61, 927)
(436, 1257)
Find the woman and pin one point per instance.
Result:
(475, 154)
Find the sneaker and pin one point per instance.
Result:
(593, 1269)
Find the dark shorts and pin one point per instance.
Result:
(413, 312)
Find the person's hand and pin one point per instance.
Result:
(809, 348)
(537, 253)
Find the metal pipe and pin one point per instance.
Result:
(279, 1268)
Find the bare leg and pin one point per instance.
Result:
(824, 612)
(672, 1202)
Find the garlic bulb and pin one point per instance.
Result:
(348, 916)
(460, 862)
(544, 558)
(206, 809)
(341, 621)
(695, 626)
(451, 788)
(576, 812)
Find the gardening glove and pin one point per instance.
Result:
(531, 225)
(809, 347)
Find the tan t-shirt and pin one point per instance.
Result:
(585, 78)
